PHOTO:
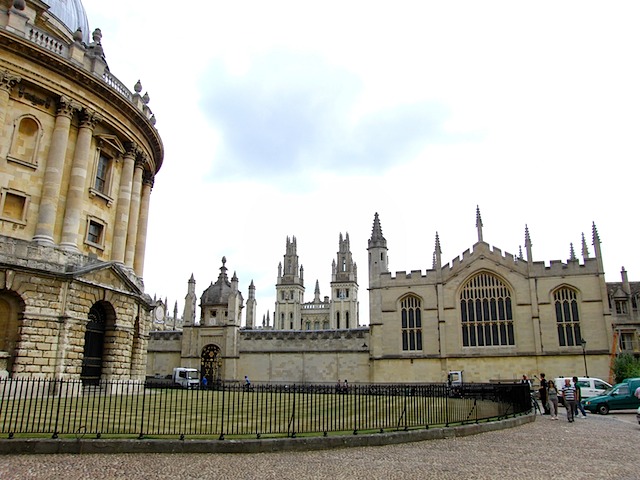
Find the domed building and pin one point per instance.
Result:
(78, 157)
(212, 345)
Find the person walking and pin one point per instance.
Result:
(552, 395)
(569, 393)
(543, 393)
(579, 405)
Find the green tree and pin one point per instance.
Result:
(626, 366)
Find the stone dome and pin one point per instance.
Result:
(72, 14)
(218, 293)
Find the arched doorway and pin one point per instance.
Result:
(11, 311)
(211, 364)
(94, 345)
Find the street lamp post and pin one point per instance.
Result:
(583, 342)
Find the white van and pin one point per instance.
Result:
(589, 387)
(186, 377)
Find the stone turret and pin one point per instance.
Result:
(344, 310)
(189, 315)
(251, 307)
(289, 290)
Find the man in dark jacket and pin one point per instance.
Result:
(544, 395)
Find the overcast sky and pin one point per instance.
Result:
(305, 118)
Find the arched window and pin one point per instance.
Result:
(567, 317)
(346, 319)
(411, 317)
(338, 320)
(486, 312)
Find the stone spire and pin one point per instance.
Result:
(596, 247)
(316, 293)
(234, 282)
(528, 244)
(437, 254)
(585, 248)
(479, 223)
(377, 240)
(378, 258)
(572, 253)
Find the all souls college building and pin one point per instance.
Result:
(492, 315)
(78, 156)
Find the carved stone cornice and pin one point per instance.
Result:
(89, 118)
(8, 81)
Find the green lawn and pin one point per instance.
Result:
(236, 413)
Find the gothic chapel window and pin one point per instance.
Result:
(486, 313)
(567, 317)
(411, 317)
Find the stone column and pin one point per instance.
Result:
(147, 184)
(78, 181)
(53, 173)
(134, 212)
(7, 82)
(124, 204)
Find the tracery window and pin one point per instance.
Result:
(567, 317)
(411, 321)
(486, 312)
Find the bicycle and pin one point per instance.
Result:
(535, 406)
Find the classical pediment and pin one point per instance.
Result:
(112, 142)
(109, 275)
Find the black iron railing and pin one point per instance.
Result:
(67, 407)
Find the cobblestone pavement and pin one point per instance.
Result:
(599, 447)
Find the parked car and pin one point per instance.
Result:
(589, 387)
(619, 397)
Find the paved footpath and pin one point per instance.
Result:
(599, 447)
